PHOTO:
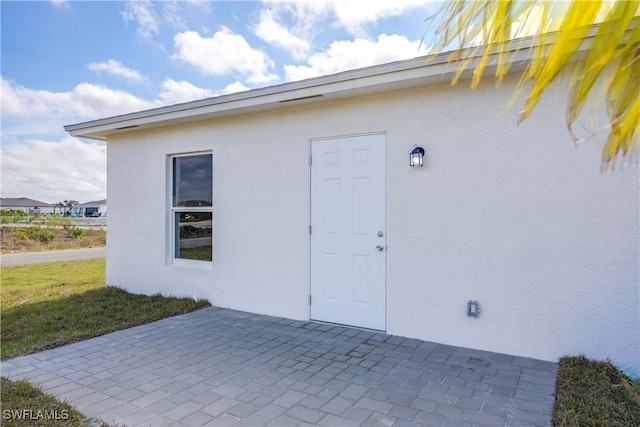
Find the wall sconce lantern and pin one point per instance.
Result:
(416, 155)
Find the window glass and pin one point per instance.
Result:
(192, 184)
(192, 208)
(194, 232)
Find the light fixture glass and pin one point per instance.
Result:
(416, 155)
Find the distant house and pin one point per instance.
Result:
(300, 200)
(26, 205)
(90, 209)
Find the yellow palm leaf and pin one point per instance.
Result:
(609, 34)
(485, 28)
(573, 30)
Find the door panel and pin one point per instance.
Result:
(348, 210)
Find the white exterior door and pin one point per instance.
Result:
(348, 235)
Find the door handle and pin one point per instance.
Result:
(380, 248)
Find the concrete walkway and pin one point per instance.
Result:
(223, 367)
(51, 256)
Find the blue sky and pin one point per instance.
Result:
(65, 62)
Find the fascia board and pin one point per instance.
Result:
(359, 82)
(320, 88)
(426, 70)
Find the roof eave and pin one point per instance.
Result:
(345, 84)
(426, 70)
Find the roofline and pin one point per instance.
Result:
(27, 203)
(423, 70)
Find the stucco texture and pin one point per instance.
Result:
(515, 217)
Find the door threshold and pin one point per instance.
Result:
(348, 326)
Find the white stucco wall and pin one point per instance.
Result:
(513, 216)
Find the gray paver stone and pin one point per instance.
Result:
(150, 398)
(439, 397)
(338, 405)
(428, 419)
(401, 399)
(200, 419)
(90, 399)
(220, 406)
(229, 390)
(502, 390)
(449, 411)
(219, 367)
(380, 420)
(357, 414)
(374, 405)
(313, 402)
(271, 411)
(305, 414)
(243, 410)
(290, 398)
(472, 404)
(483, 419)
(284, 421)
(403, 412)
(455, 422)
(181, 411)
(254, 420)
(333, 421)
(117, 415)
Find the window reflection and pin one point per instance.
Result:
(192, 181)
(195, 231)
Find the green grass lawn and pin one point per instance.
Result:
(48, 305)
(26, 405)
(590, 393)
(202, 253)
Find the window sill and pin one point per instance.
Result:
(203, 265)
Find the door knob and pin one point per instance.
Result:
(380, 248)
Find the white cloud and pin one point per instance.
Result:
(64, 4)
(51, 171)
(28, 112)
(116, 68)
(142, 12)
(354, 13)
(224, 53)
(173, 11)
(271, 31)
(172, 14)
(233, 88)
(175, 92)
(349, 55)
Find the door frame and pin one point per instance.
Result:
(310, 184)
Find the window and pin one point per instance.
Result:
(192, 208)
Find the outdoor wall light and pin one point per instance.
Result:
(416, 155)
(473, 310)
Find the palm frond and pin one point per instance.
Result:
(564, 34)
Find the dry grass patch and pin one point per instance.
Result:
(36, 238)
(590, 393)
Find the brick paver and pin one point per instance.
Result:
(223, 367)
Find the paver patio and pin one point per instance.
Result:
(223, 367)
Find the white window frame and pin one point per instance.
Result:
(173, 210)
